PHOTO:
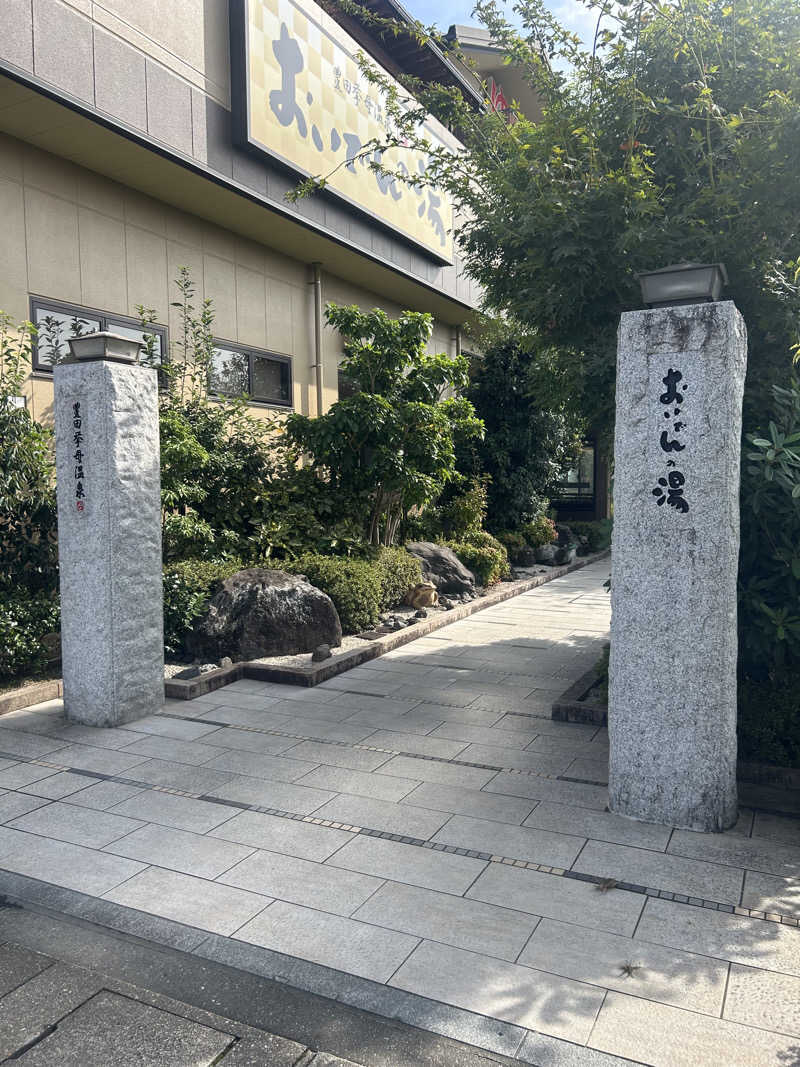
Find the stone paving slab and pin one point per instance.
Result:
(414, 822)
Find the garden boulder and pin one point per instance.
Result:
(442, 567)
(259, 612)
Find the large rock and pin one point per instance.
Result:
(443, 568)
(260, 612)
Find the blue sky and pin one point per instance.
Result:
(444, 13)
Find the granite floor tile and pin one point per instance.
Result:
(600, 825)
(317, 729)
(107, 761)
(500, 990)
(80, 826)
(104, 795)
(57, 786)
(450, 697)
(178, 776)
(314, 753)
(248, 740)
(12, 805)
(764, 999)
(291, 837)
(265, 718)
(782, 828)
(408, 864)
(590, 770)
(423, 770)
(260, 765)
(285, 796)
(751, 942)
(191, 752)
(515, 842)
(355, 702)
(417, 744)
(178, 729)
(558, 898)
(17, 743)
(182, 813)
(314, 885)
(755, 854)
(359, 783)
(515, 759)
(767, 892)
(684, 979)
(383, 815)
(451, 920)
(179, 850)
(96, 736)
(221, 909)
(663, 1036)
(67, 865)
(411, 722)
(330, 940)
(548, 789)
(443, 713)
(459, 801)
(19, 965)
(485, 735)
(694, 878)
(21, 775)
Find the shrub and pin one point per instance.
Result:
(541, 531)
(24, 620)
(489, 563)
(399, 571)
(463, 509)
(28, 554)
(769, 561)
(355, 587)
(519, 551)
(597, 534)
(769, 720)
(188, 586)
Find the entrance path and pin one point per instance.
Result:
(418, 838)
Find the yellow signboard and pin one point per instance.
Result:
(305, 102)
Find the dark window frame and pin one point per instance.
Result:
(107, 320)
(580, 503)
(252, 354)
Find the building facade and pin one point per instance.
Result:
(138, 137)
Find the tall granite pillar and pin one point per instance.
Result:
(109, 533)
(672, 686)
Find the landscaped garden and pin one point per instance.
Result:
(373, 515)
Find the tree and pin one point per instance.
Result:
(532, 438)
(675, 138)
(390, 446)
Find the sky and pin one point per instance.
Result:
(445, 13)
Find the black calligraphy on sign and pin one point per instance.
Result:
(78, 457)
(670, 489)
(289, 112)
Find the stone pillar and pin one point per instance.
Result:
(109, 534)
(672, 686)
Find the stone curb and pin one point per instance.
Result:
(311, 676)
(35, 693)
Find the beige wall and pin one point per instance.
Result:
(74, 236)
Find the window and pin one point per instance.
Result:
(261, 376)
(57, 323)
(577, 490)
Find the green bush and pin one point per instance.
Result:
(769, 560)
(769, 721)
(462, 507)
(24, 620)
(598, 534)
(542, 531)
(188, 586)
(519, 551)
(399, 571)
(354, 585)
(489, 563)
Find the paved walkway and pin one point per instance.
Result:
(419, 838)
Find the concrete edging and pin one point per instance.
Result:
(321, 672)
(35, 693)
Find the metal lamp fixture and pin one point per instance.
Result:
(104, 345)
(683, 283)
